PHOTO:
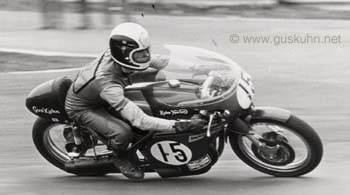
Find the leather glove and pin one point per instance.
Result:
(189, 125)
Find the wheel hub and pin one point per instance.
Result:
(275, 150)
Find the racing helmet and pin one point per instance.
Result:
(130, 46)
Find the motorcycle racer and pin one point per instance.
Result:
(103, 81)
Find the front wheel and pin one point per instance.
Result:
(292, 149)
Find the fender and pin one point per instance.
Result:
(273, 113)
(259, 113)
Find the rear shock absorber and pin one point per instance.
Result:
(77, 136)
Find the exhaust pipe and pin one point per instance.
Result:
(91, 165)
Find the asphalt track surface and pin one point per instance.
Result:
(311, 80)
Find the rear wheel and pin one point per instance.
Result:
(49, 141)
(292, 148)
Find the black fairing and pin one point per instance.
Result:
(47, 99)
(204, 154)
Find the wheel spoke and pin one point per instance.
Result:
(294, 147)
(55, 144)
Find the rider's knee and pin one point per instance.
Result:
(125, 136)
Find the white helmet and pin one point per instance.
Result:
(130, 47)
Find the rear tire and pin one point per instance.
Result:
(296, 125)
(39, 135)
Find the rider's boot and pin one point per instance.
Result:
(121, 161)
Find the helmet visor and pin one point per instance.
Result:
(141, 56)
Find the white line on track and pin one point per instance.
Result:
(43, 71)
(45, 53)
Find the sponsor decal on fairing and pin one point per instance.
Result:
(200, 163)
(197, 137)
(173, 112)
(44, 110)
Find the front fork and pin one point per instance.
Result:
(240, 126)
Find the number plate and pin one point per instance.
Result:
(171, 152)
(245, 91)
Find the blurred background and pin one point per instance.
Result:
(56, 14)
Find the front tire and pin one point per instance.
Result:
(56, 155)
(299, 128)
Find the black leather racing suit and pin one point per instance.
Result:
(101, 82)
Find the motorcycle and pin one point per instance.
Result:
(196, 82)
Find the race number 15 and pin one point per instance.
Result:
(171, 152)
